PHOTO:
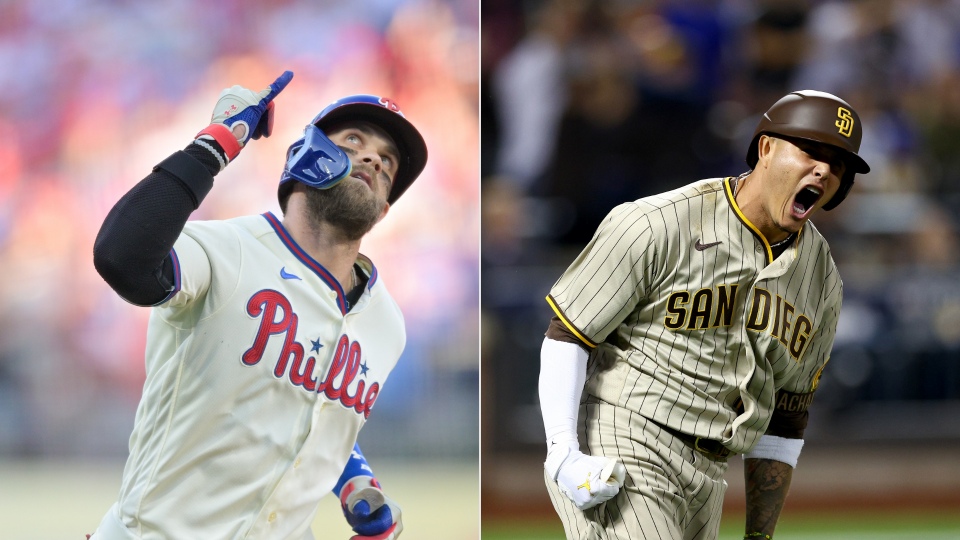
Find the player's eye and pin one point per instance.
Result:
(838, 168)
(387, 161)
(353, 138)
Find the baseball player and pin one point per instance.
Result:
(695, 326)
(270, 338)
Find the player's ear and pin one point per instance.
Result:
(386, 208)
(764, 149)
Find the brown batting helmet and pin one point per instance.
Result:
(819, 117)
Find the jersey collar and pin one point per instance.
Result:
(309, 262)
(728, 190)
(369, 268)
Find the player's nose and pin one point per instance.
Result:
(821, 169)
(373, 159)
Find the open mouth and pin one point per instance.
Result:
(363, 177)
(805, 200)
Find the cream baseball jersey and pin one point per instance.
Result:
(258, 381)
(691, 322)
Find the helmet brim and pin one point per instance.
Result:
(854, 162)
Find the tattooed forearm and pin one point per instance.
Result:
(767, 484)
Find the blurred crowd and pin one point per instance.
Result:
(96, 92)
(590, 103)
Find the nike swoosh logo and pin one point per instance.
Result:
(701, 247)
(285, 275)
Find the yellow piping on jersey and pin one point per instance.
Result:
(796, 243)
(569, 325)
(743, 218)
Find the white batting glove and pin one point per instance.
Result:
(371, 514)
(242, 114)
(585, 480)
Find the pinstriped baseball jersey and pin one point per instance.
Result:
(691, 322)
(258, 381)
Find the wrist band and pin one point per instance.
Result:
(224, 137)
(200, 142)
(777, 448)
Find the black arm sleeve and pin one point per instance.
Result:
(790, 415)
(132, 250)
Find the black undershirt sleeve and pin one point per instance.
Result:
(132, 249)
(557, 331)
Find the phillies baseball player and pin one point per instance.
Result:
(270, 338)
(695, 326)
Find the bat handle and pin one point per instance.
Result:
(372, 495)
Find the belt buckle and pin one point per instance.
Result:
(723, 453)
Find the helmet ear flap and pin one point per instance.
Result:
(315, 161)
(846, 184)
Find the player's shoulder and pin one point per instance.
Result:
(256, 224)
(212, 231)
(641, 209)
(811, 237)
(690, 191)
(814, 246)
(378, 289)
(669, 202)
(374, 283)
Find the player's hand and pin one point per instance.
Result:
(242, 114)
(370, 513)
(585, 480)
(249, 114)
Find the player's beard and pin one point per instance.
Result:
(351, 207)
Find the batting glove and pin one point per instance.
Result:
(585, 480)
(242, 114)
(370, 513)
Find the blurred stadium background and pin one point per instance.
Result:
(93, 93)
(588, 103)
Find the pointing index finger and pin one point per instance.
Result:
(278, 85)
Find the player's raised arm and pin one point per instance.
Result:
(132, 251)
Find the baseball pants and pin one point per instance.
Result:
(672, 492)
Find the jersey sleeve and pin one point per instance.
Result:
(192, 275)
(609, 277)
(794, 398)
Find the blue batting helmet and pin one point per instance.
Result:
(315, 161)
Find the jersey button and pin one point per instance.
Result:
(296, 463)
(759, 249)
(273, 516)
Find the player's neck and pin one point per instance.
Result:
(324, 242)
(749, 199)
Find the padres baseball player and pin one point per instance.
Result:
(695, 326)
(270, 338)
